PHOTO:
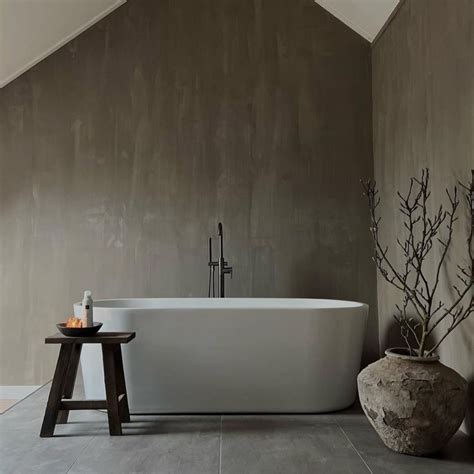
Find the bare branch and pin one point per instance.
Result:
(421, 235)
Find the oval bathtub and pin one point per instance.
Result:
(233, 355)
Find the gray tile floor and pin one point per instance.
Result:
(333, 443)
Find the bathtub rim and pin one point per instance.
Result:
(215, 305)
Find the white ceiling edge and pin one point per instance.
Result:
(8, 76)
(365, 17)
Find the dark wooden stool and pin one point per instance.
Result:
(60, 395)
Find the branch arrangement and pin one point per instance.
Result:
(421, 310)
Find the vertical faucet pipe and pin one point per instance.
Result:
(211, 269)
(221, 279)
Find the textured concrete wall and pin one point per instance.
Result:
(423, 102)
(121, 152)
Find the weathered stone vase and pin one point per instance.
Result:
(415, 404)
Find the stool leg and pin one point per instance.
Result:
(70, 380)
(121, 386)
(56, 392)
(115, 427)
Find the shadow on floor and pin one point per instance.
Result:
(460, 449)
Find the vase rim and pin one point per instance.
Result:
(404, 353)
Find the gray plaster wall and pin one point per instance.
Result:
(120, 152)
(423, 116)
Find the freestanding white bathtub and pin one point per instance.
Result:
(240, 355)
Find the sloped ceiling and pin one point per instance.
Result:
(30, 30)
(366, 17)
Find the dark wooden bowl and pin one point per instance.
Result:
(79, 332)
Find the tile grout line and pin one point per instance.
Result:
(354, 448)
(79, 455)
(220, 445)
(24, 398)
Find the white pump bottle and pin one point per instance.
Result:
(87, 309)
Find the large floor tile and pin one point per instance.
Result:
(27, 415)
(457, 457)
(23, 452)
(286, 444)
(342, 442)
(156, 445)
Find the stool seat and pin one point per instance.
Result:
(99, 338)
(62, 387)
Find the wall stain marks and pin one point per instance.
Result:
(158, 122)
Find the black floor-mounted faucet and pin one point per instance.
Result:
(220, 264)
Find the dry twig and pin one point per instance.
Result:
(422, 311)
